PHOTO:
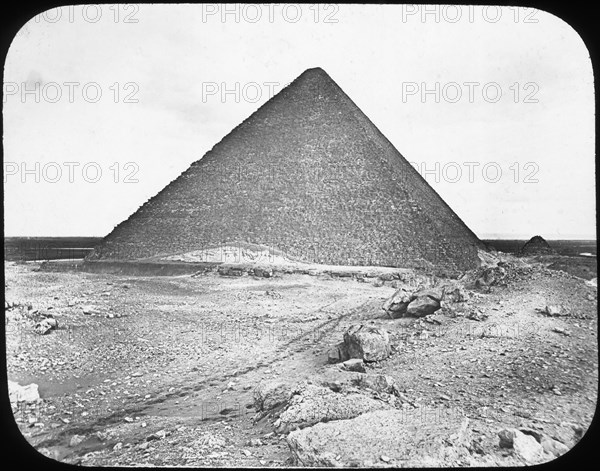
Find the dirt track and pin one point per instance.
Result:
(187, 352)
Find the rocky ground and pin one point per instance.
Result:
(218, 370)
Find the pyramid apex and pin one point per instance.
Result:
(315, 71)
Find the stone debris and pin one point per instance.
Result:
(396, 305)
(88, 310)
(456, 294)
(368, 343)
(491, 276)
(46, 325)
(76, 440)
(560, 330)
(551, 310)
(477, 315)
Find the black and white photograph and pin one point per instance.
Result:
(299, 235)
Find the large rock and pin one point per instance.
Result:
(314, 404)
(369, 343)
(269, 395)
(354, 364)
(377, 383)
(525, 446)
(395, 306)
(436, 293)
(422, 306)
(553, 310)
(18, 393)
(46, 325)
(553, 447)
(338, 353)
(384, 438)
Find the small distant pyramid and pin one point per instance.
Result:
(307, 174)
(537, 245)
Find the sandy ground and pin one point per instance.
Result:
(162, 371)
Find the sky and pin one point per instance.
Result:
(105, 105)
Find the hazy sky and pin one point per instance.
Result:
(104, 105)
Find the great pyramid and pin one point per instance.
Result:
(307, 174)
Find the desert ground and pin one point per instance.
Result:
(214, 370)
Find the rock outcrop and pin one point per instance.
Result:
(384, 438)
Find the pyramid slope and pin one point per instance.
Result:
(309, 174)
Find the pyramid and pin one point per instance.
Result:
(307, 174)
(537, 245)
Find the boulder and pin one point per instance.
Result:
(354, 364)
(369, 343)
(18, 393)
(314, 404)
(525, 446)
(553, 310)
(506, 438)
(433, 293)
(396, 305)
(263, 272)
(378, 383)
(593, 282)
(422, 306)
(46, 325)
(553, 447)
(436, 439)
(269, 395)
(338, 353)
